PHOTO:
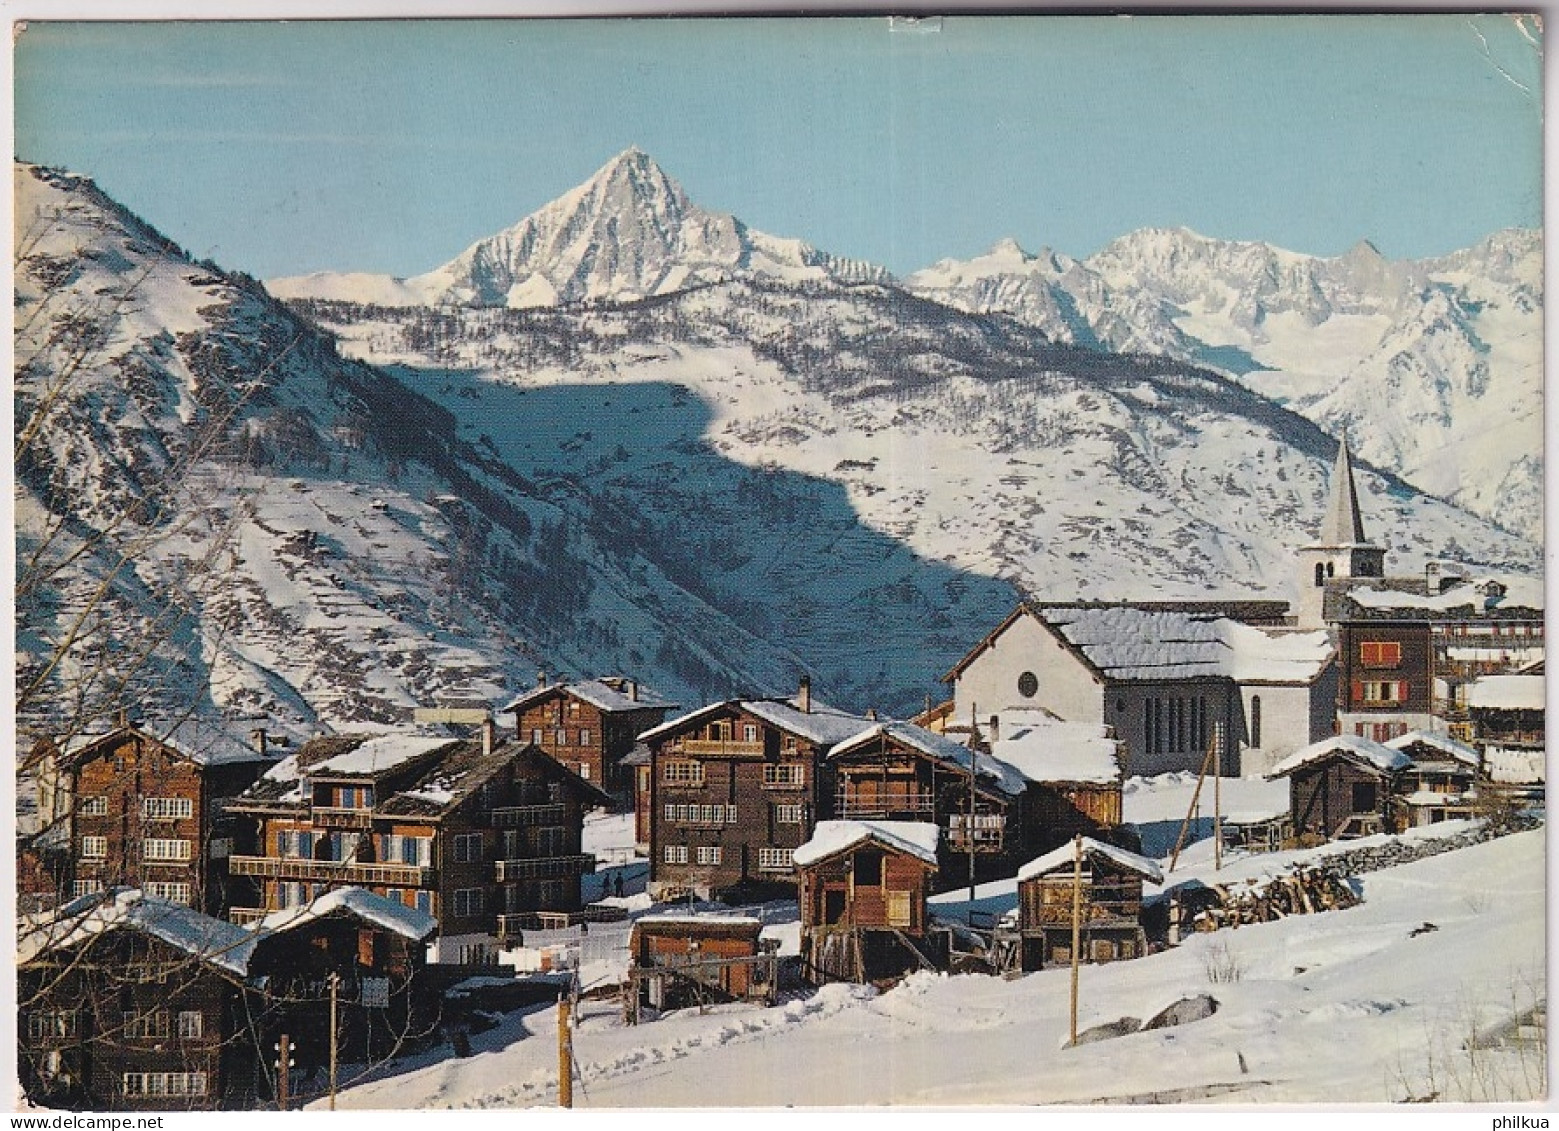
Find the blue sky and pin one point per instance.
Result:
(390, 146)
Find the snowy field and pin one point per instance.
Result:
(1368, 1005)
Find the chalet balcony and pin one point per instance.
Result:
(512, 926)
(728, 748)
(244, 916)
(527, 816)
(542, 868)
(884, 806)
(329, 817)
(332, 871)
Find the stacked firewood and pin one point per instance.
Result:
(1305, 890)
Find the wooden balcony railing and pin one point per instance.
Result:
(542, 868)
(331, 817)
(332, 871)
(243, 916)
(526, 816)
(884, 805)
(727, 747)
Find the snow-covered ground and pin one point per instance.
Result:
(1366, 1005)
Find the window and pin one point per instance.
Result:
(683, 773)
(551, 840)
(584, 738)
(775, 859)
(164, 1083)
(160, 848)
(1381, 691)
(192, 1024)
(147, 1026)
(414, 850)
(79, 888)
(52, 1023)
(867, 866)
(584, 767)
(167, 807)
(1380, 653)
(784, 774)
(468, 848)
(1320, 575)
(94, 848)
(675, 854)
(787, 814)
(749, 732)
(94, 806)
(172, 892)
(1255, 720)
(424, 901)
(560, 737)
(1028, 685)
(708, 854)
(535, 736)
(468, 901)
(1363, 797)
(295, 844)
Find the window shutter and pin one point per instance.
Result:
(1358, 691)
(1402, 691)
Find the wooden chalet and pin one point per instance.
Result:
(1440, 784)
(863, 888)
(142, 806)
(677, 961)
(1103, 893)
(1074, 774)
(1342, 787)
(127, 1002)
(480, 834)
(385, 1002)
(590, 726)
(735, 788)
(896, 771)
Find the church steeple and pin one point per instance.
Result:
(1344, 525)
(1343, 552)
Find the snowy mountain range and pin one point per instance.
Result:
(795, 466)
(1432, 368)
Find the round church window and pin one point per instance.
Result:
(1028, 685)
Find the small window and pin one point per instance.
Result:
(1028, 685)
(192, 1024)
(1380, 653)
(708, 854)
(94, 847)
(1255, 720)
(868, 868)
(675, 854)
(584, 737)
(1363, 797)
(468, 848)
(1320, 575)
(95, 806)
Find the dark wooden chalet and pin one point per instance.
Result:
(863, 888)
(127, 1002)
(735, 788)
(896, 771)
(1441, 784)
(1074, 773)
(678, 961)
(479, 834)
(1342, 787)
(1103, 884)
(590, 727)
(142, 806)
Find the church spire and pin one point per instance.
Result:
(1344, 525)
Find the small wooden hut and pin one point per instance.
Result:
(678, 961)
(863, 887)
(1341, 787)
(1103, 895)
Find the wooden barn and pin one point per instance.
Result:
(1074, 773)
(863, 887)
(1442, 782)
(1104, 900)
(1342, 787)
(679, 961)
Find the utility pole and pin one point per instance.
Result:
(335, 984)
(565, 1055)
(283, 1071)
(974, 737)
(1077, 923)
(1218, 798)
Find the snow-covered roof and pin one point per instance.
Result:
(357, 902)
(670, 920)
(1047, 750)
(940, 748)
(821, 724)
(1375, 754)
(1127, 642)
(1064, 856)
(214, 941)
(1483, 594)
(202, 741)
(379, 753)
(1507, 693)
(1436, 740)
(1515, 765)
(1428, 798)
(608, 694)
(918, 838)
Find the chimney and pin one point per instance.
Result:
(995, 727)
(804, 695)
(489, 735)
(124, 716)
(633, 690)
(260, 739)
(871, 713)
(541, 677)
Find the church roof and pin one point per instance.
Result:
(1344, 523)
